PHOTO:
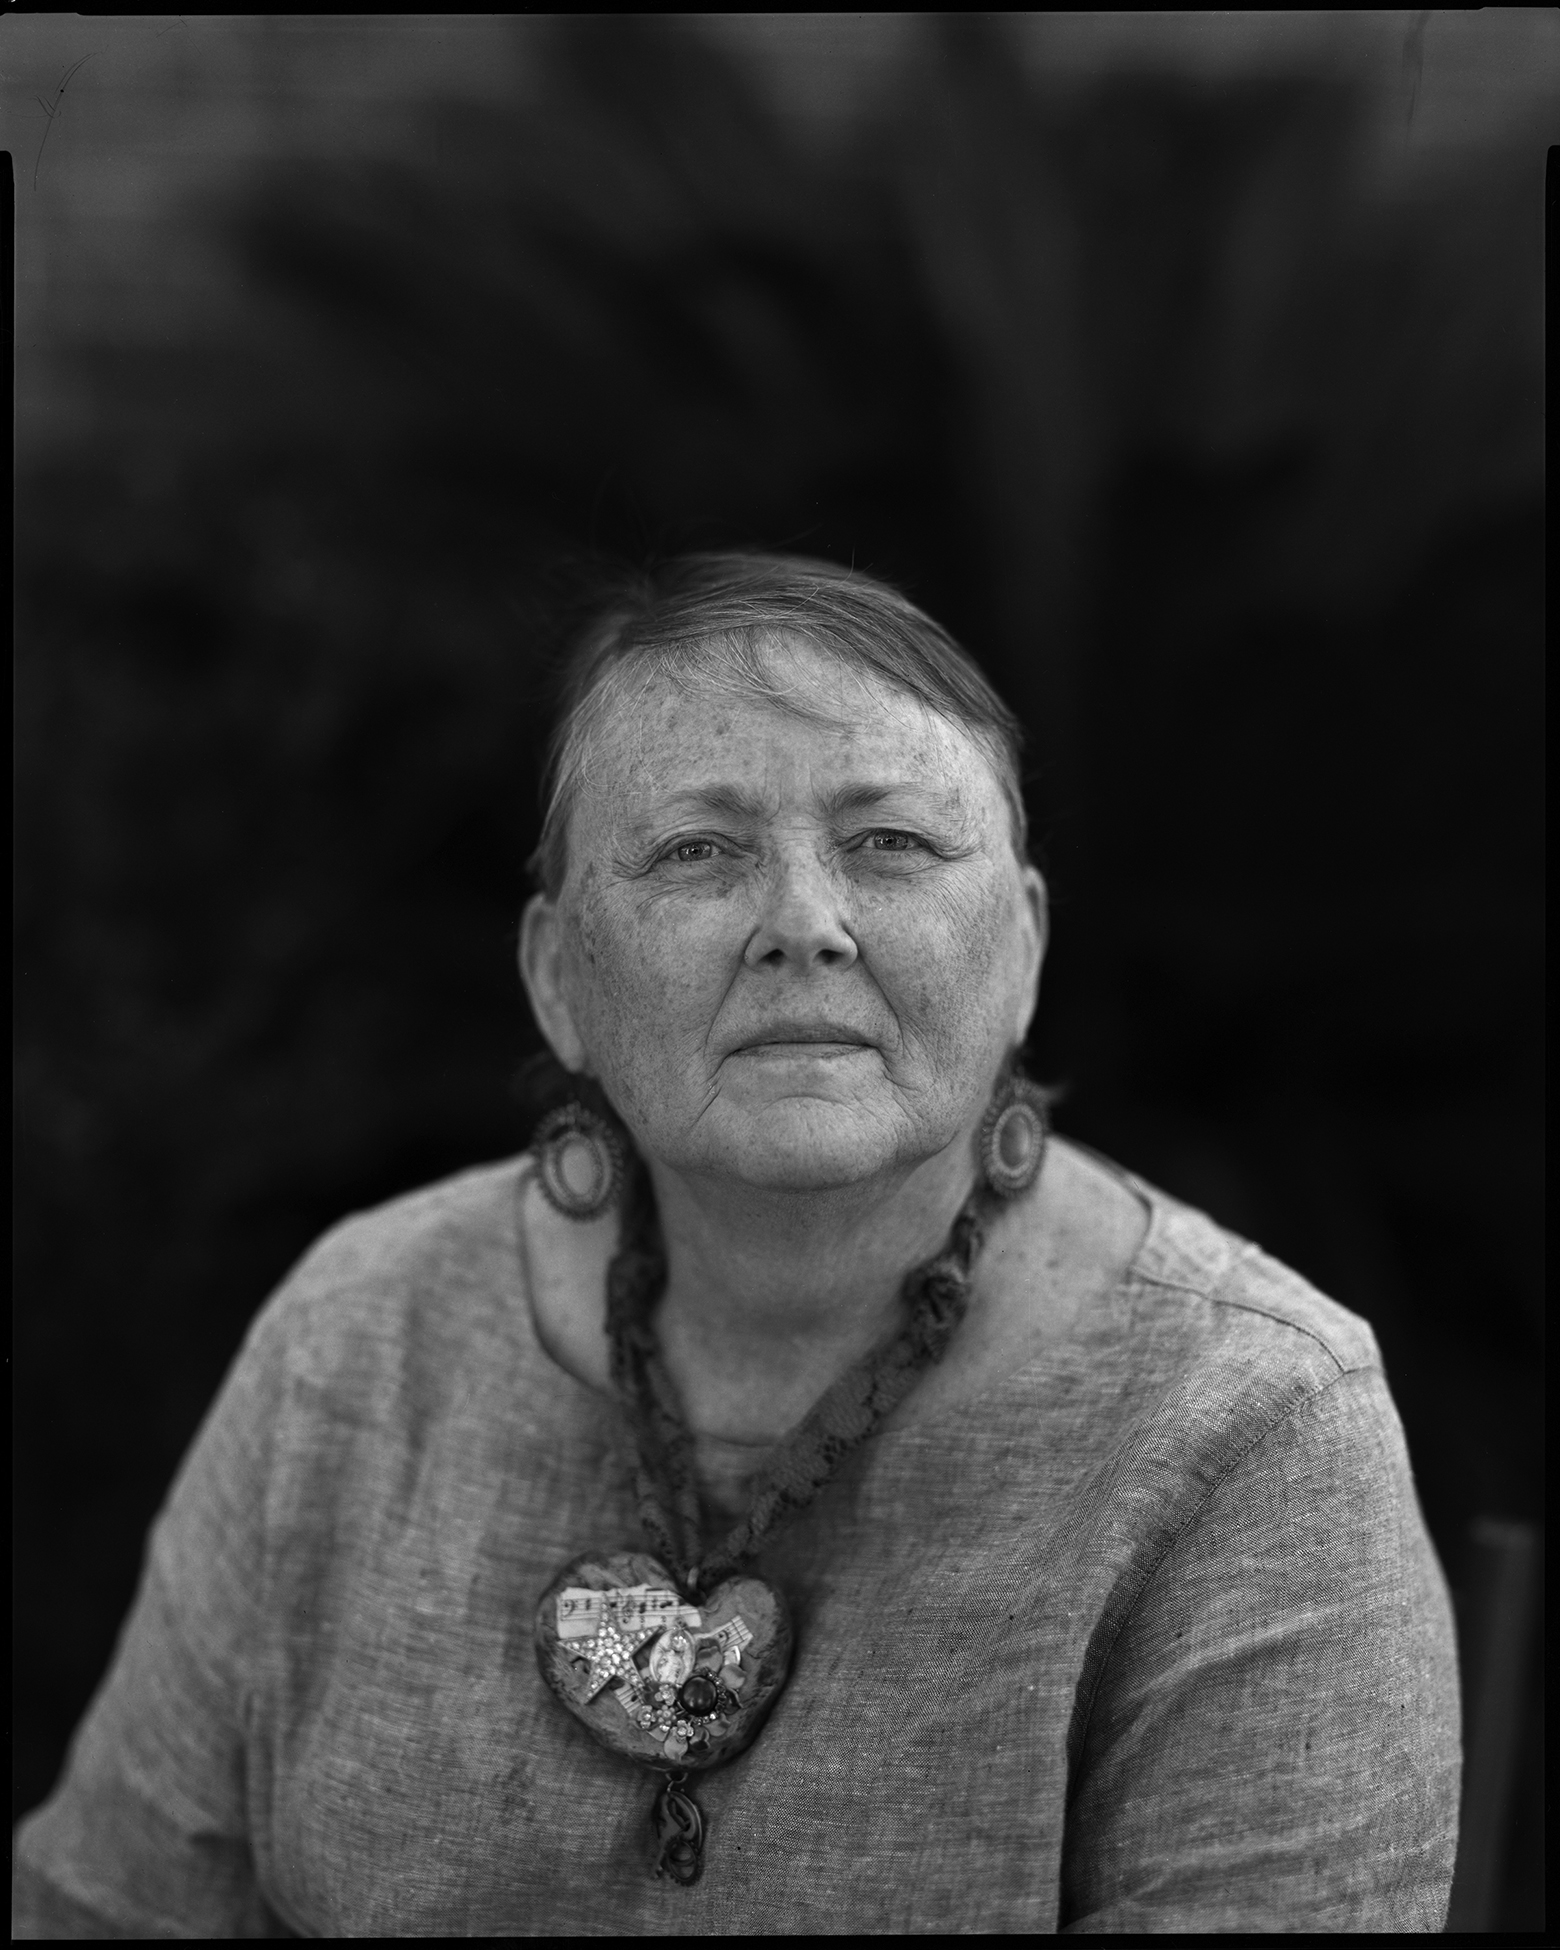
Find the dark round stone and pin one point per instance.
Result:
(698, 1694)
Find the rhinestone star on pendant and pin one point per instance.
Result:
(611, 1653)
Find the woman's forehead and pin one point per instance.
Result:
(838, 733)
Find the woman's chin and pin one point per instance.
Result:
(804, 1145)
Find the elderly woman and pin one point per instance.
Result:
(799, 1494)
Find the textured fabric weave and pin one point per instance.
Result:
(1149, 1638)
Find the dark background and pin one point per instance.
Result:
(1190, 369)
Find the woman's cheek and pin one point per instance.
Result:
(946, 969)
(608, 992)
(647, 971)
(953, 933)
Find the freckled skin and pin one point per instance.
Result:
(721, 892)
(909, 922)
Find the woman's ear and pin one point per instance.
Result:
(546, 988)
(1036, 923)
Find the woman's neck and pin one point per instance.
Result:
(772, 1295)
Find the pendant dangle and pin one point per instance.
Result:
(1013, 1136)
(679, 1833)
(580, 1161)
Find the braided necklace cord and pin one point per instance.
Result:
(935, 1296)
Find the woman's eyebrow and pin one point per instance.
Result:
(735, 801)
(867, 797)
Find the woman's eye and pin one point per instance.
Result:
(692, 851)
(891, 842)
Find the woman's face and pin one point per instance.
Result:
(793, 953)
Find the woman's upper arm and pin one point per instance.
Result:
(1273, 1745)
(147, 1832)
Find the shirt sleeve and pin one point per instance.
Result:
(147, 1833)
(1273, 1744)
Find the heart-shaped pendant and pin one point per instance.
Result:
(654, 1677)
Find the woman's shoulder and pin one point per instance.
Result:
(1210, 1345)
(1227, 1288)
(1121, 1306)
(420, 1277)
(1190, 1354)
(403, 1331)
(461, 1222)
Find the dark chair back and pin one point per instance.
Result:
(1497, 1609)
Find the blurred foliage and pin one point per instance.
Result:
(1223, 462)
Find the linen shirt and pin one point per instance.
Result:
(1147, 1637)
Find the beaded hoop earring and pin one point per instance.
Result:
(1012, 1139)
(577, 1137)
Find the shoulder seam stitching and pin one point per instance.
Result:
(1216, 1296)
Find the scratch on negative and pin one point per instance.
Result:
(51, 110)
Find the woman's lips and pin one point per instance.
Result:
(802, 1032)
(792, 1051)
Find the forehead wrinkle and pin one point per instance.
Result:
(814, 692)
(630, 716)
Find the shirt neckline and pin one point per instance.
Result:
(1162, 1257)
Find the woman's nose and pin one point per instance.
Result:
(801, 923)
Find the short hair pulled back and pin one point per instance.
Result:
(703, 620)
